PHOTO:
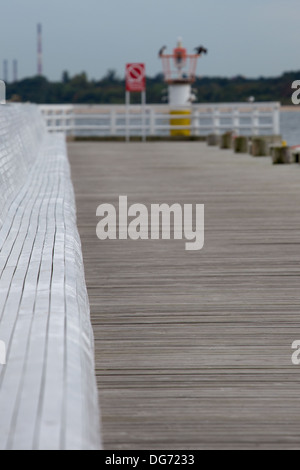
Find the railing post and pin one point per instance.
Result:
(216, 121)
(196, 121)
(73, 121)
(64, 114)
(112, 124)
(52, 120)
(152, 121)
(255, 121)
(236, 121)
(144, 130)
(127, 116)
(276, 119)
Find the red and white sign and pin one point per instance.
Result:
(135, 77)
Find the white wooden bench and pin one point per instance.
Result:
(48, 394)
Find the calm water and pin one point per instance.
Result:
(290, 127)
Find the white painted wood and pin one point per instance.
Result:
(111, 120)
(48, 396)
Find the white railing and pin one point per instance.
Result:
(154, 120)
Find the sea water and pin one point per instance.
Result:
(290, 127)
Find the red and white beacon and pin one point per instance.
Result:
(179, 70)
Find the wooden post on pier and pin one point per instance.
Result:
(259, 147)
(241, 144)
(281, 155)
(226, 140)
(213, 139)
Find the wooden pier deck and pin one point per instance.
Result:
(193, 349)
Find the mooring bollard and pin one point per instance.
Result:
(295, 154)
(259, 147)
(281, 155)
(213, 139)
(273, 141)
(226, 140)
(241, 144)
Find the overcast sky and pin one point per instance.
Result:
(249, 37)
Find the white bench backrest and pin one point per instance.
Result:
(21, 134)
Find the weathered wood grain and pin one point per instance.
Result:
(193, 349)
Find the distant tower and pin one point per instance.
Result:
(39, 50)
(5, 71)
(15, 70)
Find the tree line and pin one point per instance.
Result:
(111, 89)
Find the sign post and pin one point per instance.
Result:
(135, 82)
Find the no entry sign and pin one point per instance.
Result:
(135, 77)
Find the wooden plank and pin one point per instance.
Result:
(193, 349)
